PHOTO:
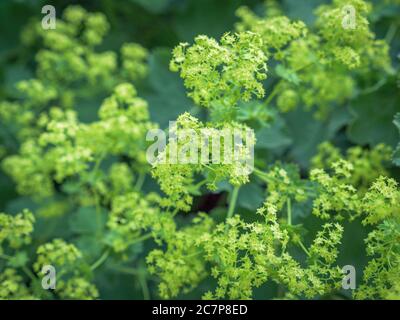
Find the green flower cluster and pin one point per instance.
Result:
(71, 270)
(12, 286)
(69, 69)
(181, 267)
(246, 255)
(381, 275)
(16, 229)
(223, 72)
(68, 147)
(175, 176)
(368, 165)
(316, 66)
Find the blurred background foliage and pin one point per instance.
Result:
(159, 25)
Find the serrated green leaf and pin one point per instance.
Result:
(373, 122)
(87, 220)
(251, 196)
(167, 98)
(307, 132)
(90, 246)
(18, 260)
(287, 74)
(273, 136)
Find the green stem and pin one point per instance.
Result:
(143, 284)
(232, 202)
(264, 176)
(201, 183)
(96, 168)
(100, 261)
(304, 67)
(194, 254)
(98, 162)
(273, 94)
(391, 32)
(209, 167)
(140, 181)
(142, 238)
(374, 88)
(125, 270)
(261, 175)
(98, 215)
(289, 211)
(303, 247)
(258, 171)
(29, 273)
